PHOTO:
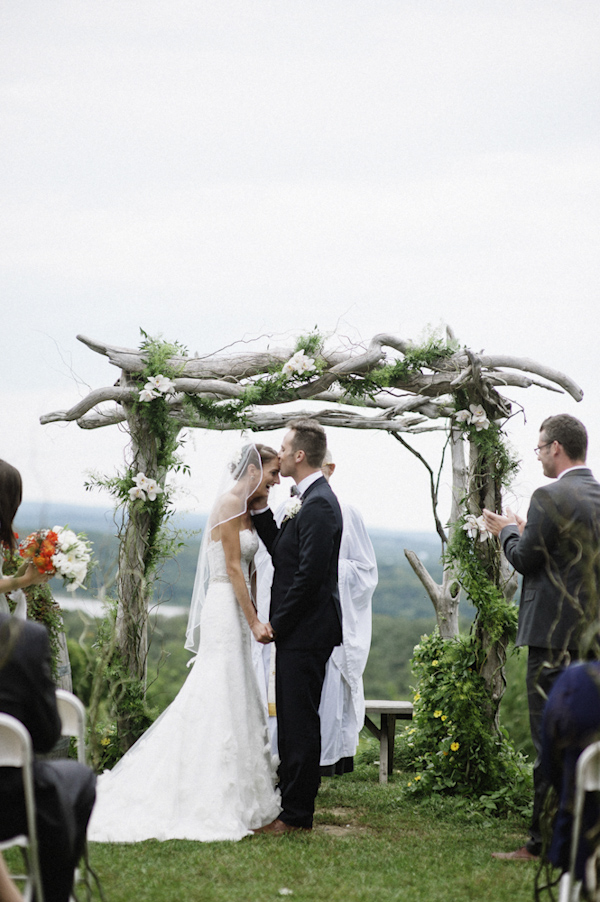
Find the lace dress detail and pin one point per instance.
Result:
(204, 769)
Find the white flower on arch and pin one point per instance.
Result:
(475, 528)
(156, 386)
(299, 363)
(144, 488)
(474, 416)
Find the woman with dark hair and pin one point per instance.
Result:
(11, 492)
(204, 770)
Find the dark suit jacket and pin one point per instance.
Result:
(558, 555)
(26, 687)
(305, 604)
(571, 722)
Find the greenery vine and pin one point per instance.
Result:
(432, 354)
(497, 616)
(449, 746)
(453, 744)
(476, 563)
(108, 692)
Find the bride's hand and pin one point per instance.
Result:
(262, 632)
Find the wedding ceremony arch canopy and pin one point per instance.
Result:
(389, 384)
(417, 395)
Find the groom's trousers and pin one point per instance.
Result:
(299, 679)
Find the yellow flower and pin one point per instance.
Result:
(437, 713)
(417, 696)
(455, 746)
(418, 777)
(105, 741)
(444, 717)
(409, 783)
(435, 663)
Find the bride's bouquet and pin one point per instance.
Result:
(59, 552)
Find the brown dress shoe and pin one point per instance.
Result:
(280, 828)
(522, 854)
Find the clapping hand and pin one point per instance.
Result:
(495, 523)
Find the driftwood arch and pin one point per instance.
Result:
(422, 399)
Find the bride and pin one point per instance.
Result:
(204, 769)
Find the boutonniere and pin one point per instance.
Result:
(292, 507)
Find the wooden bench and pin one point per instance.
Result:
(389, 713)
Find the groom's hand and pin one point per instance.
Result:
(259, 502)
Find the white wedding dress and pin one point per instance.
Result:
(204, 770)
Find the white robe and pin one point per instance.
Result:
(342, 708)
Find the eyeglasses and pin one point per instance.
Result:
(541, 447)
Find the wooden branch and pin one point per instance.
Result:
(493, 361)
(98, 396)
(226, 378)
(98, 418)
(239, 366)
(249, 363)
(445, 598)
(430, 585)
(520, 381)
(433, 489)
(265, 421)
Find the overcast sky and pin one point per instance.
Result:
(216, 171)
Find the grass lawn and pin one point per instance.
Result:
(368, 844)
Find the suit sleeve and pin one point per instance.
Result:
(41, 716)
(266, 528)
(317, 530)
(530, 552)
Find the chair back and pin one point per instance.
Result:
(588, 769)
(587, 779)
(16, 750)
(72, 718)
(15, 743)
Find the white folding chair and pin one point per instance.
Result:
(587, 779)
(72, 718)
(16, 750)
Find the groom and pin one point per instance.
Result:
(305, 616)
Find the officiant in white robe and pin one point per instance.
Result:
(342, 708)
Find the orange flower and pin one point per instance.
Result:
(39, 547)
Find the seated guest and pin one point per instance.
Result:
(571, 722)
(64, 790)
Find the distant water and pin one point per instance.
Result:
(94, 608)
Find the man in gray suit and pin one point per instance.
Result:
(557, 549)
